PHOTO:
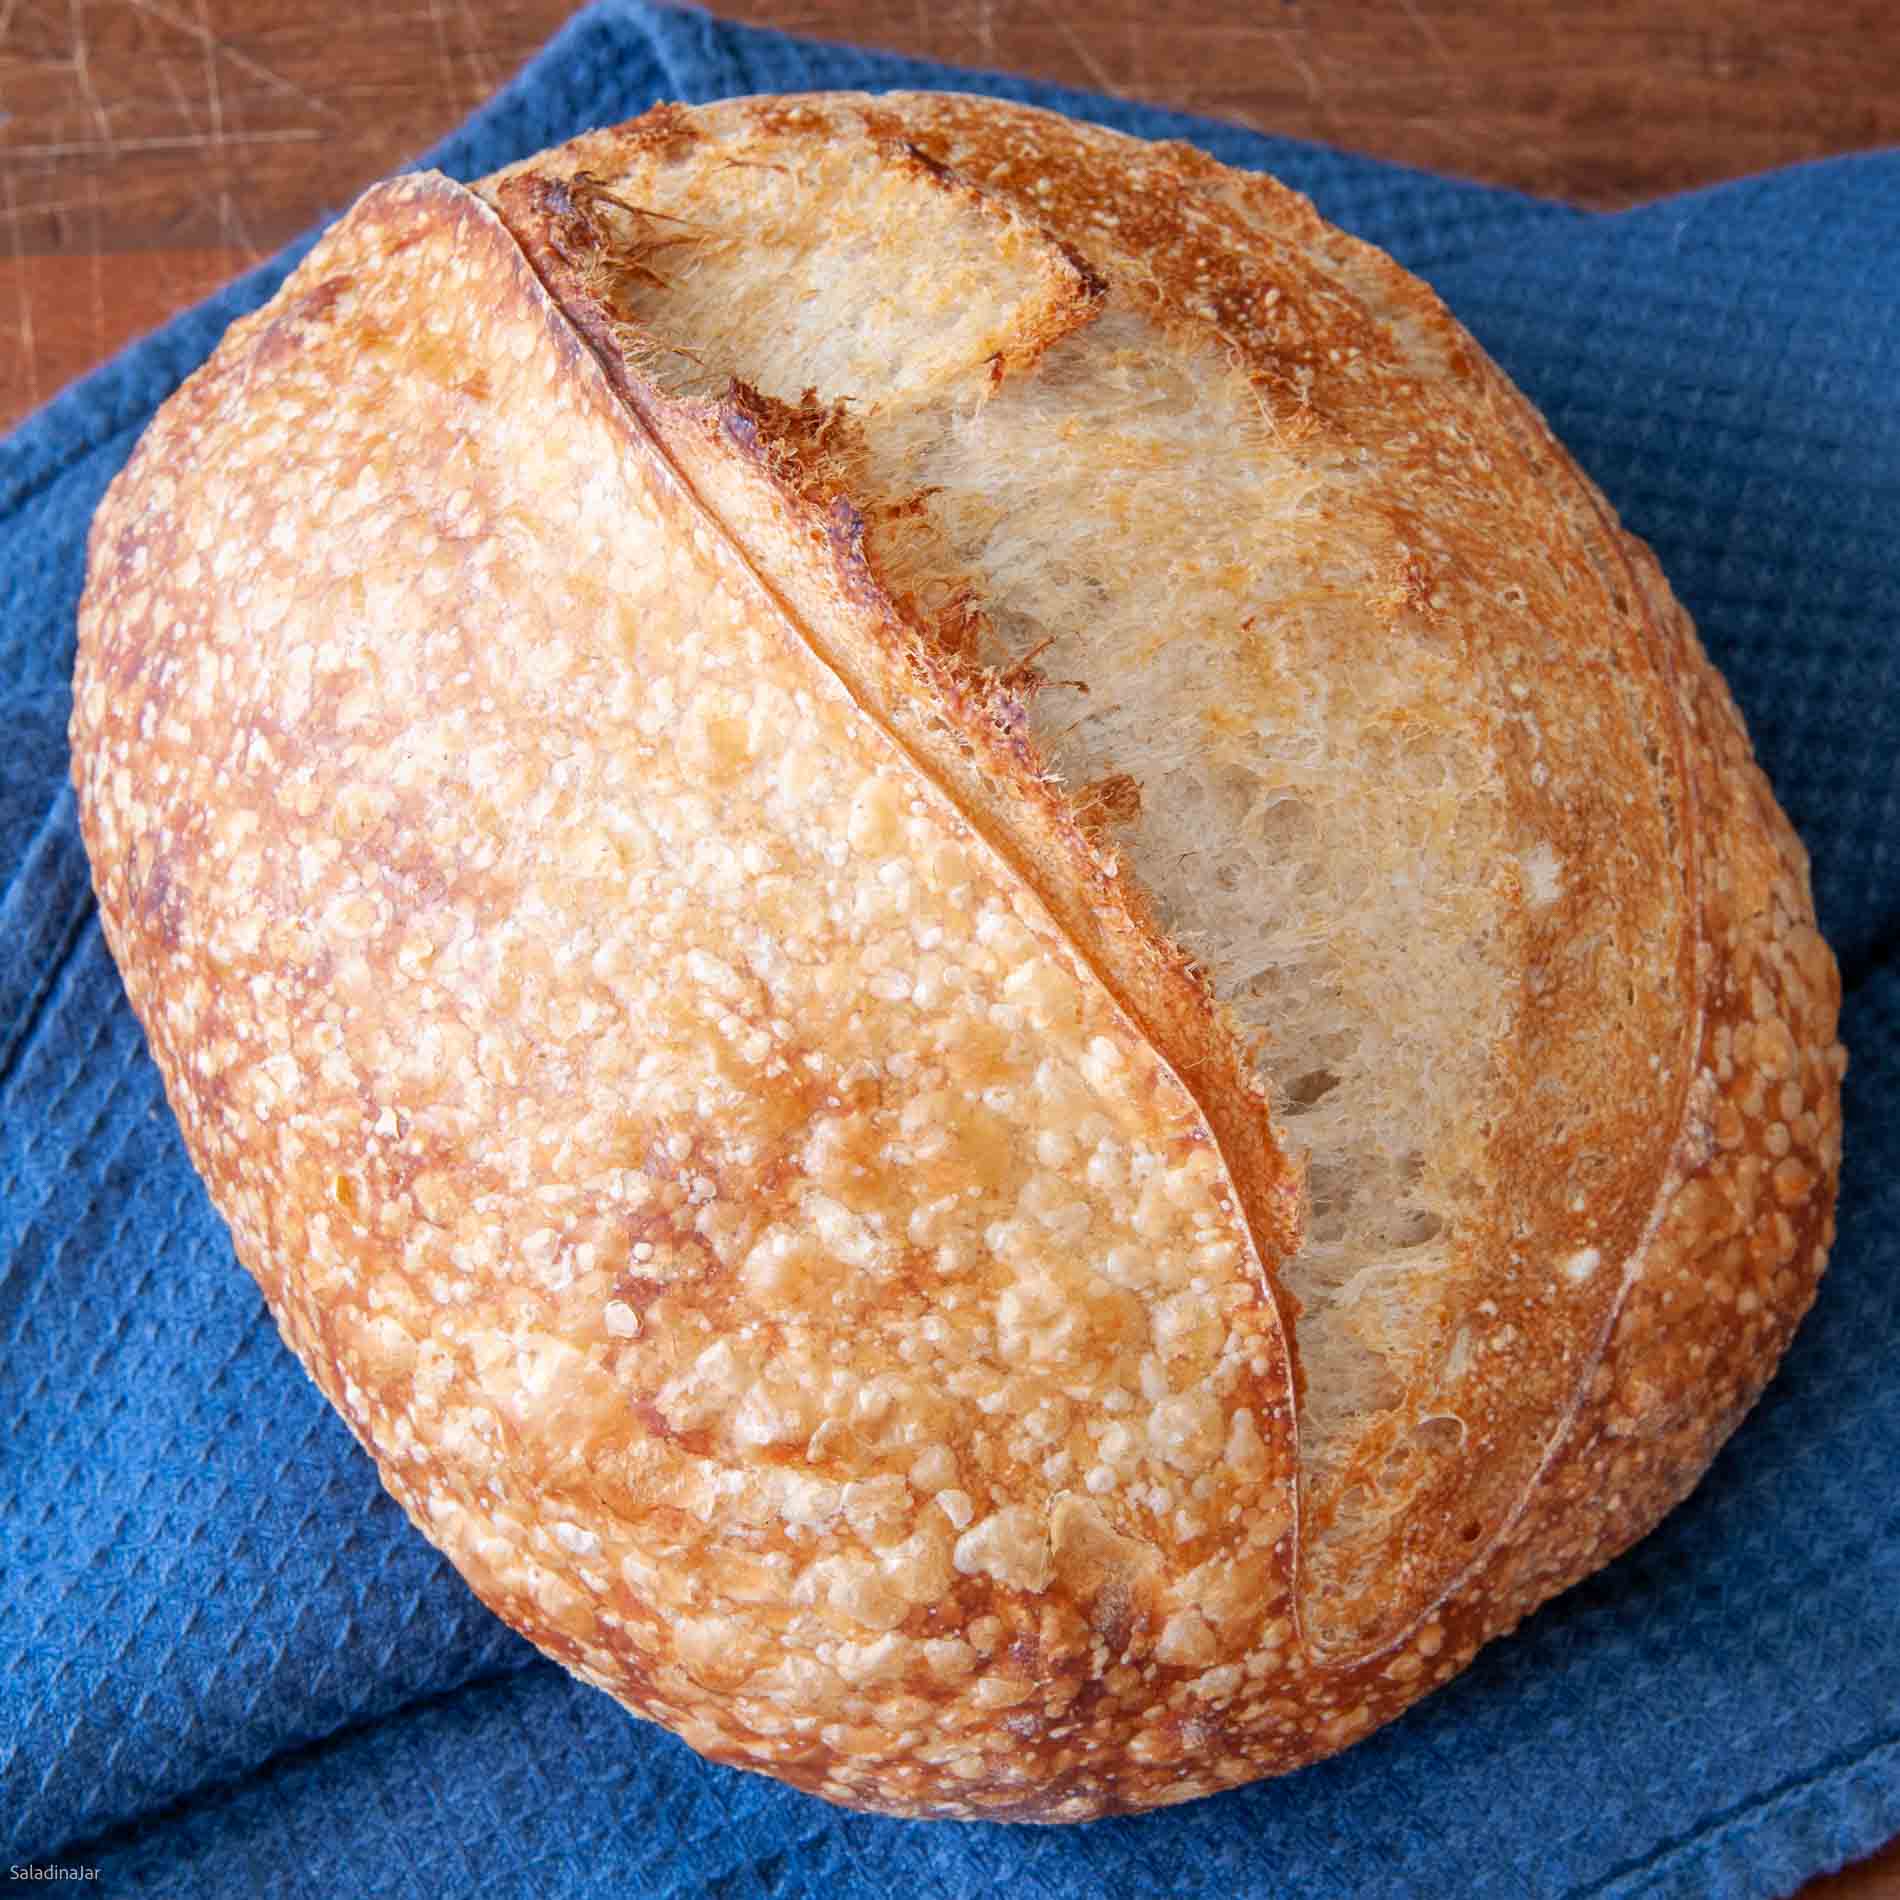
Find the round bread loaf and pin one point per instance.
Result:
(1006, 1005)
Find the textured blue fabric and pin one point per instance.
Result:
(230, 1667)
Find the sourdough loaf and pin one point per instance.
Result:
(975, 962)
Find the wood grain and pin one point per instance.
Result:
(149, 149)
(1876, 1879)
(165, 136)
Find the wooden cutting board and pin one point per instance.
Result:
(150, 149)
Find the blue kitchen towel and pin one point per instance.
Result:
(231, 1667)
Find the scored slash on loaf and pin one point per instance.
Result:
(972, 958)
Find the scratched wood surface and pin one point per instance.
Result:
(150, 149)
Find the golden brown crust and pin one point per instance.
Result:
(728, 1131)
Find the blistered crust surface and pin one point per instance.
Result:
(1742, 1230)
(755, 1248)
(1270, 530)
(754, 1243)
(1532, 744)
